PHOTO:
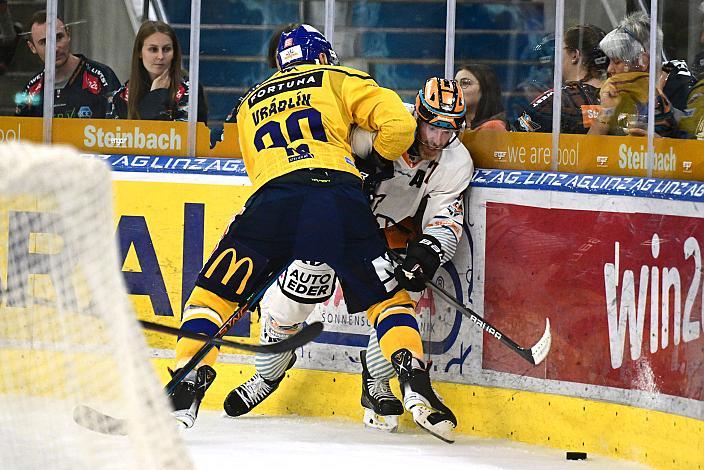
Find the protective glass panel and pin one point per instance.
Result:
(236, 41)
(681, 22)
(504, 57)
(518, 46)
(96, 84)
(17, 63)
(400, 44)
(583, 64)
(683, 63)
(584, 68)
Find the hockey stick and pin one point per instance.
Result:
(534, 355)
(98, 421)
(249, 304)
(307, 334)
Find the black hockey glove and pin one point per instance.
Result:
(422, 260)
(374, 169)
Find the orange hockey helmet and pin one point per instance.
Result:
(440, 103)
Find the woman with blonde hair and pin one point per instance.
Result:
(624, 95)
(158, 88)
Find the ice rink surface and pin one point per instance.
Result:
(335, 444)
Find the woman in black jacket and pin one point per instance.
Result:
(158, 88)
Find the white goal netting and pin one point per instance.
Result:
(68, 334)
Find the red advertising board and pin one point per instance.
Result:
(623, 292)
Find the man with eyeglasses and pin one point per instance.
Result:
(624, 95)
(81, 86)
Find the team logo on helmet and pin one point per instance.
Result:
(441, 103)
(304, 45)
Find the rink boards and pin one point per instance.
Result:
(614, 263)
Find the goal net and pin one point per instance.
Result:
(68, 335)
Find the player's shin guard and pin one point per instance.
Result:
(204, 313)
(197, 320)
(419, 397)
(270, 370)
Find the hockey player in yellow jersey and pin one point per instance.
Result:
(420, 200)
(294, 131)
(324, 101)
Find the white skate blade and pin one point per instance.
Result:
(442, 430)
(380, 422)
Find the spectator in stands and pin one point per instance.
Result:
(698, 65)
(81, 85)
(482, 94)
(624, 95)
(583, 71)
(691, 124)
(676, 81)
(691, 121)
(9, 37)
(158, 88)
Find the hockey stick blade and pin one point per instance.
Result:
(542, 347)
(96, 421)
(307, 334)
(535, 355)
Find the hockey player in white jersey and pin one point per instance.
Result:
(418, 202)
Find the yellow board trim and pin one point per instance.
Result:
(658, 439)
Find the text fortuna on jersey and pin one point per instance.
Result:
(314, 79)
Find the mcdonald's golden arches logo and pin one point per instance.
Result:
(232, 269)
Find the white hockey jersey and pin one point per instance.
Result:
(437, 184)
(425, 195)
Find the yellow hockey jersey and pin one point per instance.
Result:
(302, 118)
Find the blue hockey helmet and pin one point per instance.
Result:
(303, 45)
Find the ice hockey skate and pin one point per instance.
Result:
(189, 393)
(247, 396)
(381, 407)
(419, 397)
